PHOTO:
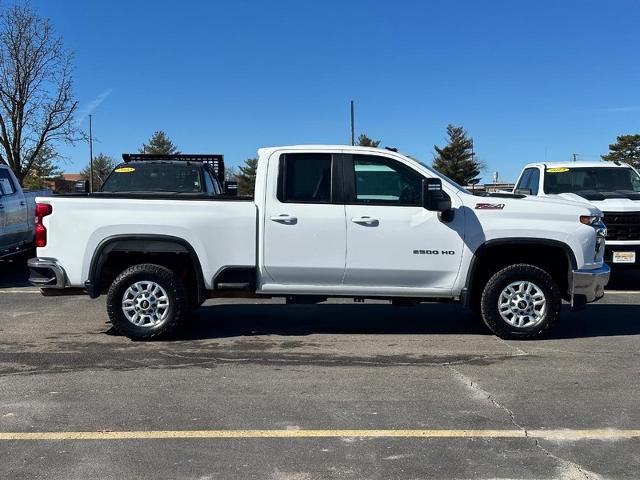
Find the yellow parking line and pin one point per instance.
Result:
(557, 435)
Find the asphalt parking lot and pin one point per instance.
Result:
(353, 391)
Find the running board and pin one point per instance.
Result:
(233, 286)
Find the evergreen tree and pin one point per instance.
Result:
(159, 144)
(44, 168)
(365, 141)
(626, 149)
(455, 160)
(247, 176)
(103, 165)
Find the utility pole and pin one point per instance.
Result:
(353, 130)
(90, 156)
(473, 154)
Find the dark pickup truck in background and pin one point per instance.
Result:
(180, 174)
(17, 214)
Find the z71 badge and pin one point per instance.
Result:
(489, 206)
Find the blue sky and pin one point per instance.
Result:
(530, 80)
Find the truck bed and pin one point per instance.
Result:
(222, 231)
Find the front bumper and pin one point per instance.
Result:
(588, 285)
(46, 273)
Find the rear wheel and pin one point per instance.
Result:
(521, 301)
(147, 301)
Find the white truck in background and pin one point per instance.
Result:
(17, 215)
(325, 221)
(614, 188)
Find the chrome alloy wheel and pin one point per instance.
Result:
(522, 304)
(145, 304)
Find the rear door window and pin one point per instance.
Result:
(305, 178)
(6, 184)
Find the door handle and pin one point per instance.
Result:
(284, 218)
(22, 203)
(1, 206)
(364, 220)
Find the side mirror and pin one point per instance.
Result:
(81, 186)
(522, 191)
(231, 188)
(434, 198)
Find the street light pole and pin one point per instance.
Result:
(90, 156)
(353, 134)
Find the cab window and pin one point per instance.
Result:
(523, 183)
(211, 183)
(305, 178)
(383, 181)
(6, 184)
(534, 181)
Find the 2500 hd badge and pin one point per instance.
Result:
(434, 252)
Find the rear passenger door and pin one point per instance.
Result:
(304, 221)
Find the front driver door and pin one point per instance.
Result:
(393, 242)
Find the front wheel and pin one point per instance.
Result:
(147, 301)
(520, 301)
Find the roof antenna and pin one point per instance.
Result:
(391, 149)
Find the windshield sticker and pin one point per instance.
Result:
(489, 206)
(125, 170)
(557, 170)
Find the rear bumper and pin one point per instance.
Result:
(46, 273)
(608, 256)
(588, 285)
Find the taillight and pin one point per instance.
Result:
(42, 210)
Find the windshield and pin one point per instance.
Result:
(154, 177)
(598, 179)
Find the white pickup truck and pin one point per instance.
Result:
(325, 221)
(614, 188)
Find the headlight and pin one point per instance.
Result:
(601, 232)
(592, 220)
(596, 222)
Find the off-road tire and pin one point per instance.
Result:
(178, 301)
(516, 273)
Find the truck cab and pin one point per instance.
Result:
(614, 188)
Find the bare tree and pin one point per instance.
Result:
(36, 89)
